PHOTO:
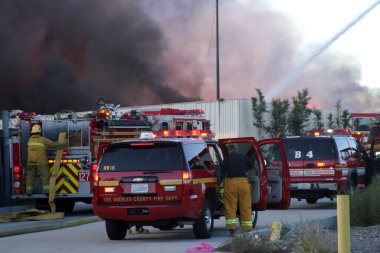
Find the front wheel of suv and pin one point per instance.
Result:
(203, 227)
(116, 230)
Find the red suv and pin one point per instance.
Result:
(324, 166)
(173, 182)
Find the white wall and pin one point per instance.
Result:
(229, 118)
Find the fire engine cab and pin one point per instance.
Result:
(88, 134)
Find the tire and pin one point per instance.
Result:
(311, 200)
(255, 214)
(116, 230)
(203, 227)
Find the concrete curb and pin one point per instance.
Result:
(64, 224)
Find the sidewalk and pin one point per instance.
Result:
(21, 227)
(82, 215)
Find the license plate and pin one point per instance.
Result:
(139, 188)
(84, 176)
(304, 185)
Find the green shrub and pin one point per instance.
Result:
(256, 243)
(314, 238)
(365, 205)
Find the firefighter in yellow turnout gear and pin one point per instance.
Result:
(237, 190)
(37, 160)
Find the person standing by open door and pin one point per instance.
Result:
(37, 160)
(237, 189)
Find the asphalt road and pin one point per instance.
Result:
(92, 236)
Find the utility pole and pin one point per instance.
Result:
(217, 52)
(217, 64)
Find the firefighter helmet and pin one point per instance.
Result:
(36, 129)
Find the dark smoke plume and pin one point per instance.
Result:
(66, 54)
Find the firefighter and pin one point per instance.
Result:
(37, 159)
(237, 190)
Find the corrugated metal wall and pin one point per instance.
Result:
(229, 118)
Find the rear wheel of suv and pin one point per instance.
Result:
(116, 230)
(203, 227)
(311, 200)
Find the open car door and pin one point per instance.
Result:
(258, 176)
(277, 170)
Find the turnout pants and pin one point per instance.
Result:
(237, 191)
(31, 176)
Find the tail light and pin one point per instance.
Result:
(338, 169)
(187, 183)
(94, 167)
(94, 178)
(95, 183)
(17, 180)
(16, 170)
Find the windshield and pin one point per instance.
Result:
(309, 149)
(152, 157)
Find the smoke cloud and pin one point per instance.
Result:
(57, 55)
(258, 48)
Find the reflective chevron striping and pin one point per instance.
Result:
(68, 178)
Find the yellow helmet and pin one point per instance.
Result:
(36, 129)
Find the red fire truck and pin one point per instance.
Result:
(88, 136)
(364, 126)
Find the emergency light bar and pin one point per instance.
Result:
(184, 134)
(102, 112)
(26, 115)
(330, 131)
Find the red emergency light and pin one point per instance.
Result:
(94, 167)
(26, 115)
(16, 169)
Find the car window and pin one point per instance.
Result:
(343, 147)
(197, 156)
(214, 155)
(353, 148)
(299, 149)
(158, 156)
(272, 157)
